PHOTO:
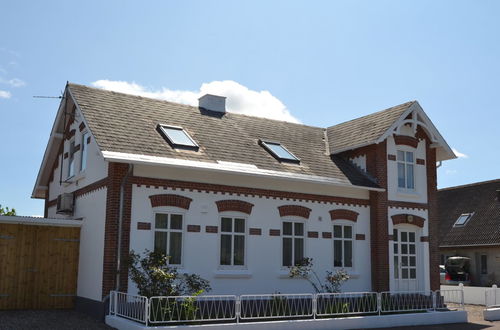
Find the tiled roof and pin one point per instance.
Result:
(483, 227)
(364, 130)
(127, 123)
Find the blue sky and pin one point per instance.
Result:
(323, 62)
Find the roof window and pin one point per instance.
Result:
(177, 137)
(278, 151)
(462, 219)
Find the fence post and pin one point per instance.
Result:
(146, 311)
(379, 302)
(434, 299)
(116, 302)
(237, 309)
(462, 302)
(314, 305)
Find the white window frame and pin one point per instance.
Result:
(468, 215)
(71, 159)
(406, 164)
(162, 128)
(293, 220)
(171, 211)
(344, 223)
(84, 151)
(233, 215)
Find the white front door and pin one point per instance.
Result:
(405, 260)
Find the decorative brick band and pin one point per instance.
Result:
(212, 229)
(344, 215)
(391, 157)
(234, 205)
(85, 190)
(294, 210)
(408, 205)
(81, 127)
(424, 238)
(66, 155)
(244, 191)
(77, 147)
(52, 203)
(406, 140)
(409, 219)
(255, 231)
(360, 237)
(420, 161)
(144, 225)
(274, 232)
(312, 234)
(193, 228)
(170, 200)
(326, 234)
(88, 140)
(70, 134)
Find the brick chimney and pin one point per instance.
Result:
(213, 102)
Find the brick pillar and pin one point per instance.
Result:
(116, 173)
(376, 162)
(433, 217)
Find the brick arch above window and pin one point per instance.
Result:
(294, 210)
(342, 214)
(170, 200)
(406, 140)
(408, 219)
(234, 205)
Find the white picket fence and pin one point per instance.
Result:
(227, 308)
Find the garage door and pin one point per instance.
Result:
(38, 266)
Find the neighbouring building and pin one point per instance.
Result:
(469, 225)
(237, 199)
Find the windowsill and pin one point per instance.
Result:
(79, 176)
(284, 273)
(352, 274)
(69, 180)
(232, 273)
(408, 193)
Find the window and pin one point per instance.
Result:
(462, 219)
(71, 159)
(406, 164)
(83, 159)
(342, 246)
(484, 264)
(279, 152)
(232, 242)
(168, 236)
(177, 137)
(293, 243)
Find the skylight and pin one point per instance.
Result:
(279, 152)
(462, 219)
(177, 137)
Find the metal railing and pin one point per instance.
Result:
(492, 298)
(225, 308)
(272, 306)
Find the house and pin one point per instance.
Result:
(469, 226)
(237, 199)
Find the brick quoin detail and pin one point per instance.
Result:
(212, 229)
(312, 234)
(294, 210)
(406, 140)
(82, 126)
(344, 215)
(234, 205)
(193, 228)
(66, 155)
(144, 226)
(274, 232)
(420, 161)
(391, 157)
(360, 237)
(408, 205)
(255, 231)
(326, 234)
(405, 218)
(424, 238)
(170, 200)
(77, 148)
(85, 190)
(70, 134)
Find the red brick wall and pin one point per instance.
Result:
(170, 200)
(344, 214)
(294, 210)
(234, 205)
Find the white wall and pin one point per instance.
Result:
(264, 273)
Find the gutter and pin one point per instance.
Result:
(120, 225)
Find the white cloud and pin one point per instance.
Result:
(240, 99)
(4, 94)
(15, 82)
(459, 154)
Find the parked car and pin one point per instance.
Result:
(442, 274)
(457, 271)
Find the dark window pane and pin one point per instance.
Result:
(409, 157)
(299, 250)
(161, 221)
(396, 267)
(239, 250)
(299, 229)
(401, 156)
(413, 261)
(161, 242)
(401, 175)
(395, 234)
(404, 248)
(175, 248)
(347, 232)
(412, 248)
(227, 225)
(337, 253)
(287, 228)
(410, 184)
(395, 248)
(404, 261)
(287, 251)
(175, 221)
(337, 231)
(404, 272)
(347, 253)
(413, 273)
(412, 237)
(404, 236)
(484, 264)
(225, 249)
(239, 225)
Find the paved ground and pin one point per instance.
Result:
(67, 319)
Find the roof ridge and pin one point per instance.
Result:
(470, 184)
(191, 106)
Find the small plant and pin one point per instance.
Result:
(7, 211)
(333, 280)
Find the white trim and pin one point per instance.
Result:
(40, 221)
(113, 156)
